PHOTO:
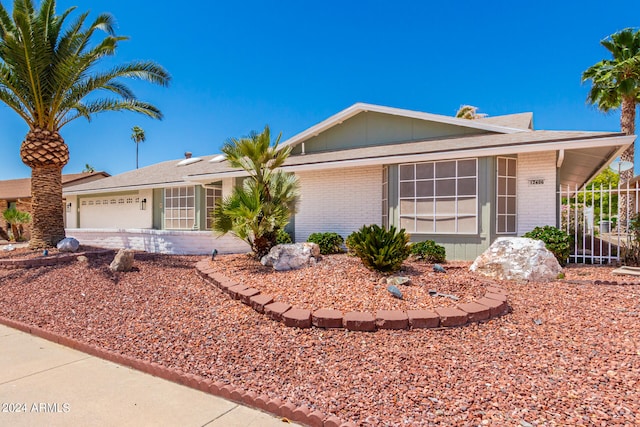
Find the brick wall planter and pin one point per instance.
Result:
(49, 259)
(492, 304)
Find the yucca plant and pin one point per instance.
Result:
(50, 75)
(379, 249)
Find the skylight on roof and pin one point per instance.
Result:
(188, 161)
(218, 158)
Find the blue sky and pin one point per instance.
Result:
(237, 66)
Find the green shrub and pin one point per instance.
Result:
(330, 243)
(429, 251)
(630, 251)
(283, 238)
(379, 249)
(556, 241)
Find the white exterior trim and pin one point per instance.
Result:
(174, 242)
(440, 155)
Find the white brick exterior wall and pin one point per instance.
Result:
(536, 202)
(338, 200)
(159, 241)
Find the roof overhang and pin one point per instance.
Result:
(608, 146)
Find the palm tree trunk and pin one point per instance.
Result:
(46, 153)
(627, 126)
(46, 207)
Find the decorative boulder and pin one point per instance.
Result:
(68, 244)
(517, 258)
(292, 256)
(398, 280)
(123, 261)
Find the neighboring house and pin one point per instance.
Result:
(459, 182)
(16, 193)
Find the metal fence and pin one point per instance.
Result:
(598, 219)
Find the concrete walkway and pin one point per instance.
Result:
(45, 384)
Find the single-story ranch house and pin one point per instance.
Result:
(460, 182)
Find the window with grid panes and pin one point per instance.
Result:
(506, 195)
(179, 208)
(439, 197)
(212, 195)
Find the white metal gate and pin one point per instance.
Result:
(598, 219)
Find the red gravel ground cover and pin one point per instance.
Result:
(568, 354)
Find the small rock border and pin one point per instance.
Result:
(49, 260)
(492, 304)
(275, 406)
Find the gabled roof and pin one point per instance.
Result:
(360, 107)
(13, 189)
(516, 121)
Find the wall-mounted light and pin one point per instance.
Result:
(69, 207)
(143, 204)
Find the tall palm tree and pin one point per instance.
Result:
(49, 76)
(137, 136)
(469, 112)
(615, 83)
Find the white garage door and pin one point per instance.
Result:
(122, 211)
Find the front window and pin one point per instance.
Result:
(179, 208)
(439, 197)
(506, 194)
(214, 194)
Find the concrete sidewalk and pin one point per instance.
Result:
(45, 384)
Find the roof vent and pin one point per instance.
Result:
(188, 154)
(189, 160)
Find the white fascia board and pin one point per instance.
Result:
(362, 107)
(458, 154)
(622, 141)
(127, 188)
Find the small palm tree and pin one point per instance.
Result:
(137, 136)
(16, 219)
(469, 112)
(263, 205)
(88, 168)
(50, 76)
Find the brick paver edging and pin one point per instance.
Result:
(492, 304)
(275, 406)
(49, 259)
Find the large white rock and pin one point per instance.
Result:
(292, 256)
(517, 258)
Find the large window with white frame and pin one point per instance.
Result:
(179, 208)
(506, 185)
(439, 197)
(213, 195)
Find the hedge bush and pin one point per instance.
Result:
(555, 240)
(283, 238)
(330, 243)
(429, 251)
